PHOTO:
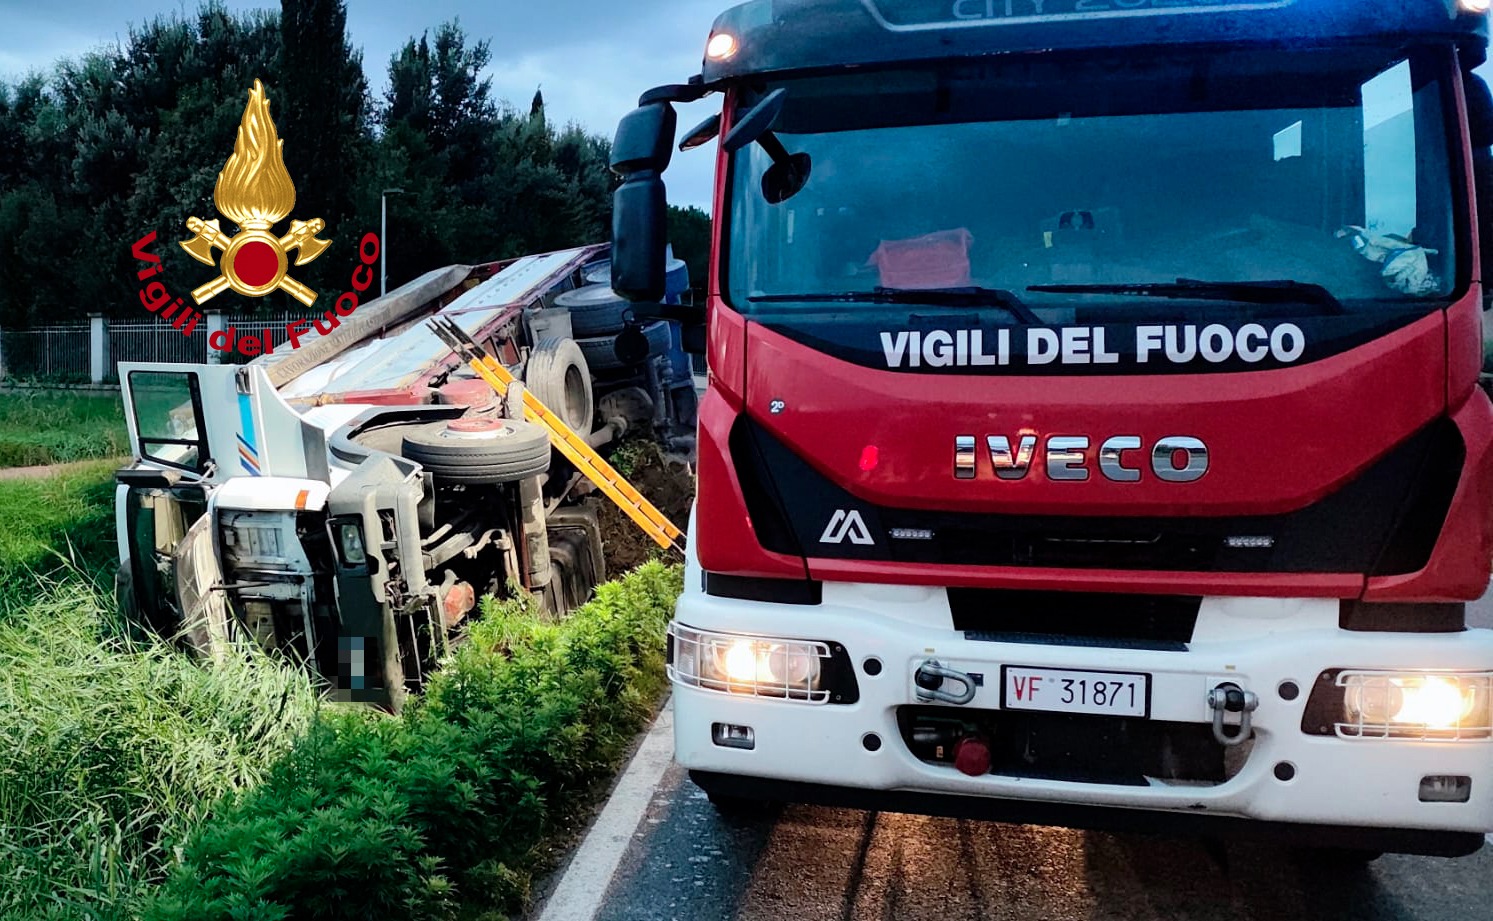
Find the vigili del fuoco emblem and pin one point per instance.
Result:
(255, 191)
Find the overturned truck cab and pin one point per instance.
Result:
(347, 504)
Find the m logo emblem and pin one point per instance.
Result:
(848, 526)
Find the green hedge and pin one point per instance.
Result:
(441, 813)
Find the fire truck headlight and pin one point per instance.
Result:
(1405, 705)
(723, 45)
(758, 666)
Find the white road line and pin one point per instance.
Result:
(579, 894)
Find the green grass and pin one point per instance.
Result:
(112, 751)
(49, 522)
(113, 747)
(52, 427)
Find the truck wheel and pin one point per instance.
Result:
(479, 451)
(601, 351)
(595, 310)
(558, 376)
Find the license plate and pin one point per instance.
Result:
(1054, 690)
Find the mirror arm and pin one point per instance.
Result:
(773, 147)
(677, 92)
(679, 313)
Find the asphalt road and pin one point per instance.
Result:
(686, 863)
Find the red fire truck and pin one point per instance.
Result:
(1094, 434)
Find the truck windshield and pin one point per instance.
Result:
(1083, 186)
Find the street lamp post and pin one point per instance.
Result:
(383, 241)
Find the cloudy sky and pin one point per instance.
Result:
(591, 57)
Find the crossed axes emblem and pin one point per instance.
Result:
(255, 261)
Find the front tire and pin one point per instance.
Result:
(736, 808)
(730, 806)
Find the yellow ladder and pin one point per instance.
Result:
(573, 446)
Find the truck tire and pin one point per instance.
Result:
(595, 310)
(601, 351)
(479, 451)
(559, 378)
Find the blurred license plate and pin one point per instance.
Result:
(1057, 691)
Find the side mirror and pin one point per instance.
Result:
(789, 173)
(640, 238)
(701, 133)
(645, 139)
(631, 347)
(640, 207)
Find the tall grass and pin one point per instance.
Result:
(51, 523)
(48, 427)
(113, 750)
(113, 747)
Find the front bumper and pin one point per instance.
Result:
(1256, 643)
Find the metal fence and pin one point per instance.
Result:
(91, 352)
(58, 353)
(153, 342)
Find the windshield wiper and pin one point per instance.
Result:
(1249, 292)
(931, 297)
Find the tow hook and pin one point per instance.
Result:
(930, 680)
(1231, 698)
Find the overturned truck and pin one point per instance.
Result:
(348, 501)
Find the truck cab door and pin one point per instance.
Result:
(218, 422)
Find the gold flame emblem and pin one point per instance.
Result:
(255, 191)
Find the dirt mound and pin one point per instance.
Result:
(669, 483)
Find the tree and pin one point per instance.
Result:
(689, 233)
(322, 99)
(130, 139)
(483, 181)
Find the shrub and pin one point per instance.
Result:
(439, 814)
